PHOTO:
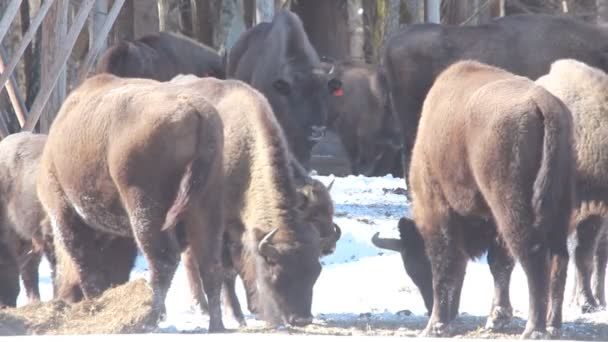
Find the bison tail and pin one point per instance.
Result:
(552, 190)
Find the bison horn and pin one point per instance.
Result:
(337, 232)
(265, 247)
(384, 243)
(330, 185)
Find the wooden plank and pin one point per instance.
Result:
(14, 94)
(4, 132)
(48, 85)
(8, 16)
(99, 39)
(25, 41)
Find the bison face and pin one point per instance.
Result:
(315, 207)
(415, 260)
(286, 274)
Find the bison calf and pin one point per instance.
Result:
(492, 166)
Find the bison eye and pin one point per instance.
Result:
(335, 87)
(282, 87)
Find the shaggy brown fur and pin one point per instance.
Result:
(525, 45)
(114, 162)
(278, 60)
(493, 156)
(161, 56)
(280, 251)
(363, 120)
(21, 235)
(583, 89)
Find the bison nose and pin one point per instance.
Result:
(300, 321)
(317, 133)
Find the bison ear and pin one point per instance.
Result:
(335, 87)
(282, 87)
(304, 195)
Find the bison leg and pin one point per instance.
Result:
(448, 263)
(9, 276)
(601, 258)
(30, 260)
(559, 270)
(197, 296)
(231, 301)
(501, 266)
(119, 254)
(587, 232)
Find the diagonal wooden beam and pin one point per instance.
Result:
(49, 84)
(25, 41)
(4, 132)
(14, 94)
(8, 16)
(99, 39)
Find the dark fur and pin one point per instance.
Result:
(277, 53)
(523, 44)
(161, 56)
(497, 176)
(363, 120)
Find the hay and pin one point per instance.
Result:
(123, 309)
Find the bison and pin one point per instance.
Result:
(418, 53)
(492, 169)
(583, 89)
(161, 56)
(363, 120)
(280, 250)
(277, 59)
(137, 159)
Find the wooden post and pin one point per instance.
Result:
(58, 64)
(25, 41)
(55, 27)
(100, 39)
(14, 94)
(8, 16)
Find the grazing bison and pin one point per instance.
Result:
(492, 167)
(22, 239)
(362, 119)
(278, 60)
(138, 159)
(418, 53)
(583, 89)
(161, 56)
(280, 251)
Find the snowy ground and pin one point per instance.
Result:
(363, 290)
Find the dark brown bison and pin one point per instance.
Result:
(280, 251)
(22, 242)
(418, 53)
(362, 118)
(161, 56)
(492, 168)
(137, 159)
(278, 60)
(583, 89)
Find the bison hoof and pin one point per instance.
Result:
(499, 318)
(436, 330)
(554, 333)
(589, 307)
(533, 334)
(217, 328)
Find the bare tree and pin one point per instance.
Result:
(97, 18)
(168, 15)
(413, 10)
(205, 15)
(355, 29)
(124, 27)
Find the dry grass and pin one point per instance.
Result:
(123, 309)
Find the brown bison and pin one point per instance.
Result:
(137, 159)
(22, 239)
(362, 119)
(278, 60)
(583, 89)
(161, 56)
(492, 168)
(418, 53)
(280, 250)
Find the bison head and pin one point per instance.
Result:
(415, 260)
(316, 207)
(300, 103)
(287, 269)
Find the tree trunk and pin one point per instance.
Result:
(602, 11)
(31, 69)
(168, 16)
(355, 29)
(433, 11)
(96, 20)
(412, 12)
(230, 25)
(264, 10)
(391, 23)
(281, 4)
(124, 27)
(185, 18)
(205, 15)
(249, 13)
(54, 31)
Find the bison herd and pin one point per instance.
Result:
(186, 155)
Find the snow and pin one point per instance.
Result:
(358, 278)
